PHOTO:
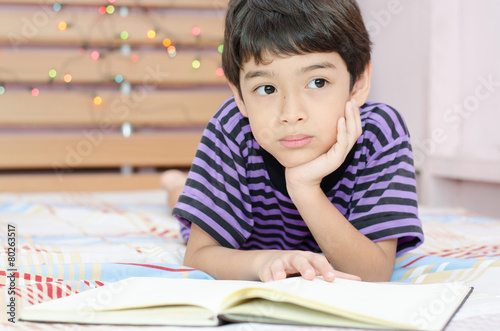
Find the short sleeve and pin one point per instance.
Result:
(384, 204)
(215, 196)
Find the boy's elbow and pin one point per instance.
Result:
(198, 242)
(192, 258)
(187, 260)
(383, 274)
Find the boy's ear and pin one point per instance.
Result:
(238, 100)
(362, 86)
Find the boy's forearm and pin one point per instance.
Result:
(205, 254)
(225, 263)
(345, 247)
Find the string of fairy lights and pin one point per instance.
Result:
(96, 54)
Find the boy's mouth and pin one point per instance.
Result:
(295, 141)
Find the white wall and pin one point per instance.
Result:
(438, 62)
(399, 31)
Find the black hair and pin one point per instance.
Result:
(254, 28)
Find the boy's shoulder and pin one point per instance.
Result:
(383, 121)
(229, 119)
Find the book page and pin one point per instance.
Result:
(118, 303)
(417, 306)
(266, 311)
(167, 315)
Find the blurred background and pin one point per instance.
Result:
(438, 62)
(106, 94)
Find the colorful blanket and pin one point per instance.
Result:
(66, 243)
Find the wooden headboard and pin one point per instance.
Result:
(95, 96)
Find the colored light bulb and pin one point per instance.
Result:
(68, 78)
(219, 72)
(171, 50)
(151, 34)
(35, 92)
(98, 101)
(52, 73)
(61, 26)
(94, 55)
(196, 31)
(123, 11)
(167, 42)
(196, 64)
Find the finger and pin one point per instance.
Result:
(324, 268)
(341, 147)
(266, 275)
(337, 153)
(350, 119)
(342, 141)
(277, 270)
(352, 126)
(357, 116)
(301, 264)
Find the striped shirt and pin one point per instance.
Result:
(236, 191)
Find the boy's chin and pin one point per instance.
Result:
(295, 161)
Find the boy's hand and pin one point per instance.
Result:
(280, 264)
(349, 129)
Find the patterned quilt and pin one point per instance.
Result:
(66, 243)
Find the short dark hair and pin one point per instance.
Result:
(292, 27)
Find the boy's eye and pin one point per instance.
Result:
(266, 89)
(317, 83)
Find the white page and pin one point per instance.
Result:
(420, 305)
(147, 292)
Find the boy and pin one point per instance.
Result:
(291, 177)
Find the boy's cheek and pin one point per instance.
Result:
(264, 136)
(263, 128)
(329, 137)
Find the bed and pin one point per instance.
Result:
(70, 242)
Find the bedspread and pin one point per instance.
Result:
(71, 242)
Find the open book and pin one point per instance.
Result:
(193, 302)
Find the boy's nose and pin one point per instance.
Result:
(292, 111)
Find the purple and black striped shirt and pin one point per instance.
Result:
(236, 191)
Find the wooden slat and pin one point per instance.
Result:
(78, 182)
(153, 68)
(140, 108)
(94, 148)
(205, 4)
(21, 28)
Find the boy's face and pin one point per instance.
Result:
(293, 104)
